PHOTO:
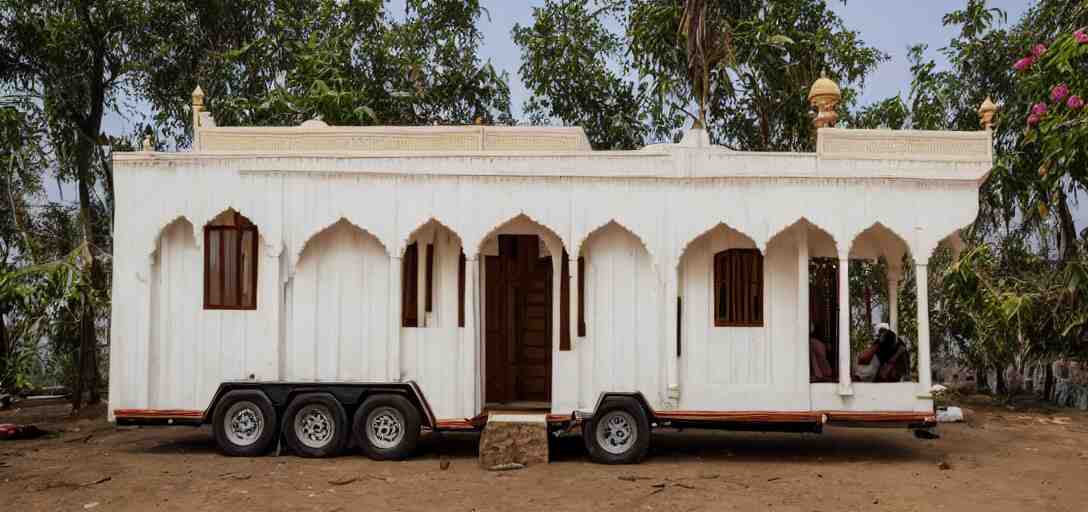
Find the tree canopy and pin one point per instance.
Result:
(635, 54)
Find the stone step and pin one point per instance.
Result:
(514, 438)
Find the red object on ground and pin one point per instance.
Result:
(10, 431)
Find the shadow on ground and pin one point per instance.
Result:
(835, 445)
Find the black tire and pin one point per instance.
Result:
(315, 425)
(244, 423)
(620, 421)
(396, 438)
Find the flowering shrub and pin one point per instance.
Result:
(1059, 92)
(1054, 78)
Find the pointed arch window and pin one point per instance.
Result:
(230, 262)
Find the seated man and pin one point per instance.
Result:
(885, 360)
(819, 363)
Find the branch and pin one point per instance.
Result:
(14, 210)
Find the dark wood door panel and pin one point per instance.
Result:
(518, 321)
(496, 367)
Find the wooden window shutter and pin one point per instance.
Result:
(428, 300)
(409, 289)
(679, 317)
(564, 303)
(581, 297)
(738, 288)
(231, 243)
(461, 290)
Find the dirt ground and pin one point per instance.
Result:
(1004, 459)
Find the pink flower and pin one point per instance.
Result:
(1059, 92)
(1074, 103)
(1038, 50)
(1023, 64)
(1080, 36)
(1033, 119)
(1039, 109)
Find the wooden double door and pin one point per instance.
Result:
(518, 322)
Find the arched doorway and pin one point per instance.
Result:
(519, 264)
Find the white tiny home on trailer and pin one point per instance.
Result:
(514, 266)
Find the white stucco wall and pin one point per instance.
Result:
(334, 225)
(436, 355)
(742, 368)
(623, 347)
(191, 350)
(338, 328)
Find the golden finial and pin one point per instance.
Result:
(198, 106)
(986, 114)
(198, 97)
(824, 97)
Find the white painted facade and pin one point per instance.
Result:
(336, 208)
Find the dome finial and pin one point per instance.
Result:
(824, 96)
(986, 114)
(198, 97)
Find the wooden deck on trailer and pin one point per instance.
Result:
(683, 419)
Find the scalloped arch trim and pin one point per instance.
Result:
(687, 245)
(802, 220)
(296, 255)
(402, 243)
(496, 228)
(581, 243)
(879, 228)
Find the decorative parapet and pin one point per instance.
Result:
(524, 151)
(516, 138)
(317, 137)
(938, 146)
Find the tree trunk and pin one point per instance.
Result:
(982, 382)
(90, 128)
(88, 350)
(5, 349)
(1001, 388)
(1067, 234)
(88, 343)
(868, 306)
(1048, 381)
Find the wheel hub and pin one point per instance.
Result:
(244, 423)
(616, 432)
(314, 426)
(385, 427)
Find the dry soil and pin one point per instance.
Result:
(1004, 459)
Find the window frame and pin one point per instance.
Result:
(461, 264)
(749, 258)
(428, 294)
(581, 297)
(409, 286)
(241, 226)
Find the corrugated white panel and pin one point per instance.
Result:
(433, 356)
(620, 351)
(339, 308)
(173, 349)
(742, 368)
(192, 350)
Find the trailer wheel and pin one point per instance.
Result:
(244, 423)
(387, 427)
(619, 433)
(315, 425)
